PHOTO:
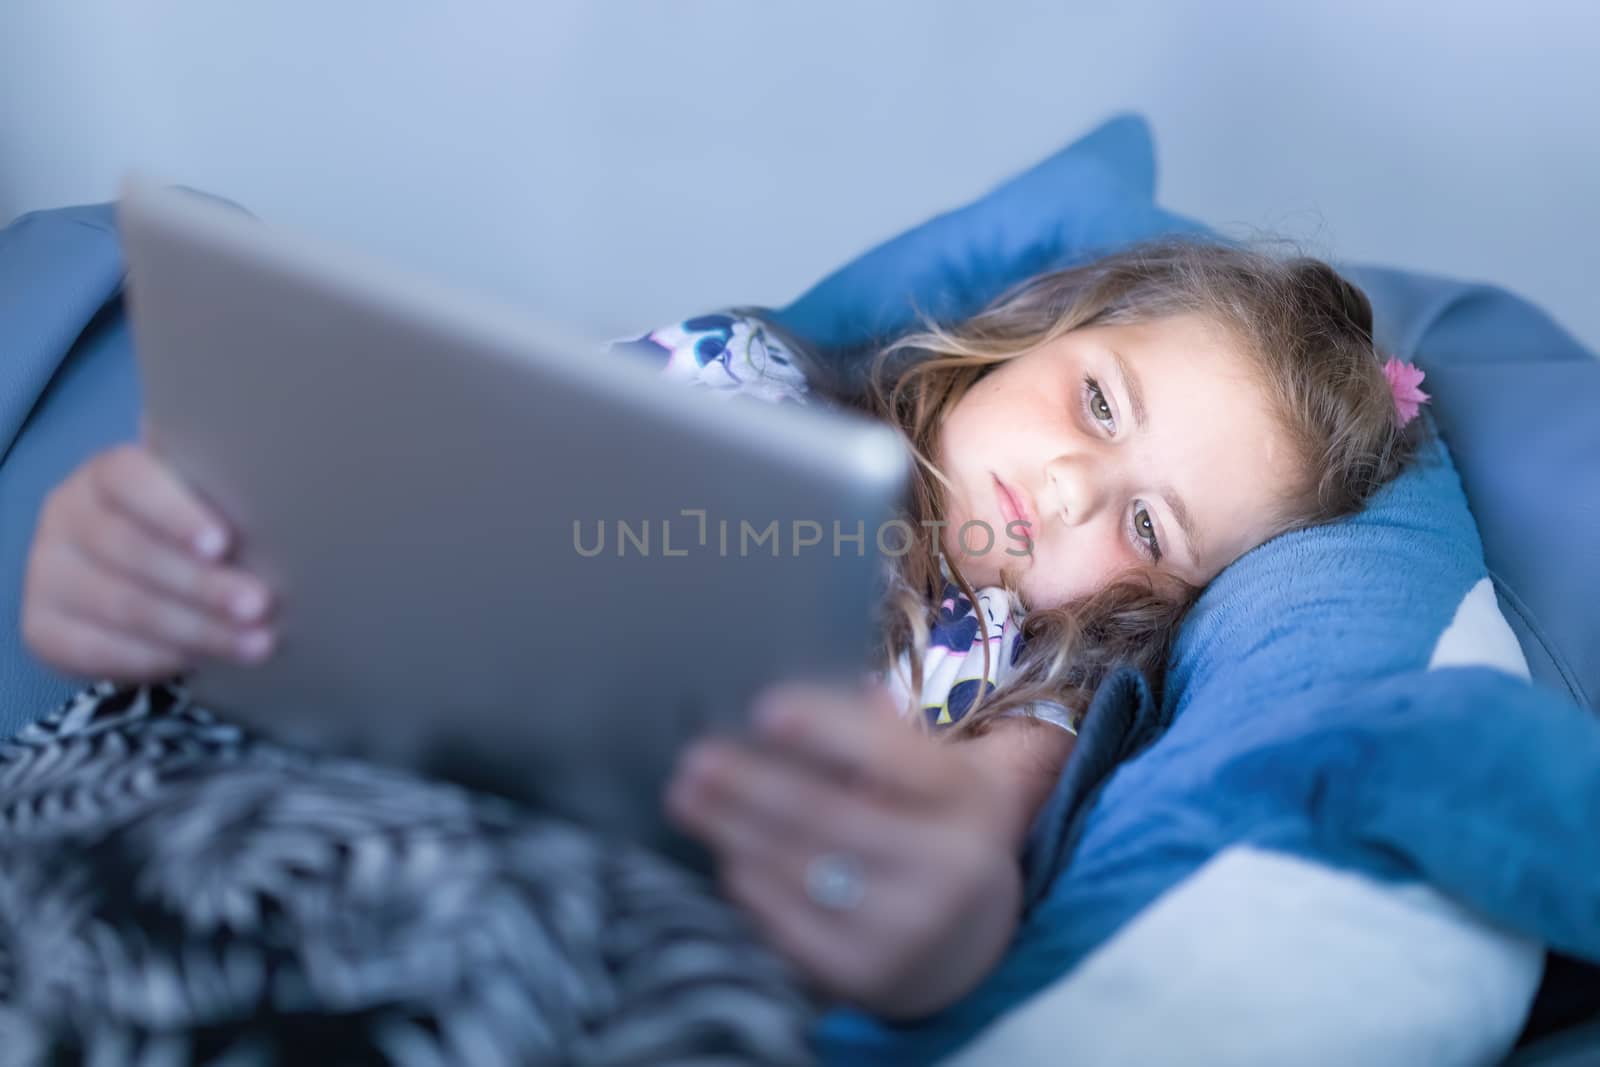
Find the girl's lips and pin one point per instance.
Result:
(1012, 506)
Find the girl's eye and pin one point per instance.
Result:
(1145, 530)
(1098, 405)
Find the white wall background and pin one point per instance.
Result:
(622, 162)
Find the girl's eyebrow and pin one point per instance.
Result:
(1130, 385)
(1180, 510)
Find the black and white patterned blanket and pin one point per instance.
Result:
(174, 890)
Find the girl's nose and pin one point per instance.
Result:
(1078, 485)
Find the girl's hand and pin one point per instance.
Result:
(126, 579)
(924, 824)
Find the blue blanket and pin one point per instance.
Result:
(1328, 701)
(1309, 714)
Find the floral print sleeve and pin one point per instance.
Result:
(738, 355)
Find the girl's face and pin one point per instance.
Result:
(1113, 449)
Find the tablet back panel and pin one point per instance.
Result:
(499, 555)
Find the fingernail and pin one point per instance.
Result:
(209, 542)
(248, 603)
(254, 645)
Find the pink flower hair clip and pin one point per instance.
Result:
(1403, 380)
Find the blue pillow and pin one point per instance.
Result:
(1089, 198)
(1512, 390)
(1492, 360)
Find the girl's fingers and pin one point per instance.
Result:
(123, 578)
(80, 647)
(124, 546)
(858, 734)
(861, 953)
(814, 940)
(89, 594)
(709, 819)
(133, 481)
(758, 806)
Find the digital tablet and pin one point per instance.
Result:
(499, 554)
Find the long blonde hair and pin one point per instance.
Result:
(1308, 334)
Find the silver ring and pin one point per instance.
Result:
(835, 880)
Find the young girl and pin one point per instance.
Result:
(1136, 423)
(1144, 420)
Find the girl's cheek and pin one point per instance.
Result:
(1087, 563)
